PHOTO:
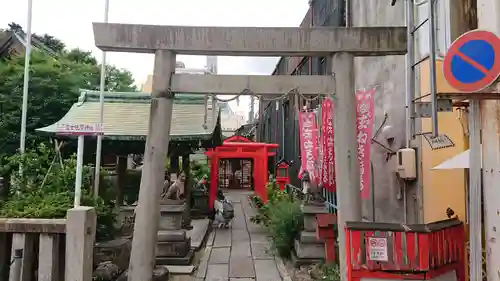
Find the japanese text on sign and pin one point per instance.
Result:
(378, 249)
(308, 143)
(327, 145)
(80, 129)
(364, 126)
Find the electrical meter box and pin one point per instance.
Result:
(407, 164)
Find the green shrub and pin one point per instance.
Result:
(285, 223)
(42, 191)
(326, 272)
(198, 170)
(281, 216)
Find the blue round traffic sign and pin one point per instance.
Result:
(473, 61)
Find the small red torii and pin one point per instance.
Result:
(240, 147)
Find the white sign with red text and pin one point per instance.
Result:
(80, 129)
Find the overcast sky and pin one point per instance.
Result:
(70, 21)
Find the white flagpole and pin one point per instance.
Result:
(101, 115)
(24, 112)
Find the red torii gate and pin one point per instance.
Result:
(240, 147)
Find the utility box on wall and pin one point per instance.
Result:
(407, 164)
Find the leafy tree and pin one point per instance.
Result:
(45, 189)
(53, 88)
(50, 42)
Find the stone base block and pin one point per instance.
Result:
(186, 260)
(173, 248)
(310, 211)
(309, 250)
(298, 262)
(171, 216)
(172, 235)
(309, 237)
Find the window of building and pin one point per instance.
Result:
(304, 67)
(322, 66)
(443, 37)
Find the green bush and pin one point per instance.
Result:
(326, 272)
(41, 191)
(282, 217)
(285, 223)
(198, 170)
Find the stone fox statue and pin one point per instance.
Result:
(176, 190)
(311, 192)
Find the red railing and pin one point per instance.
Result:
(420, 249)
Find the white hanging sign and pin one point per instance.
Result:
(80, 129)
(377, 247)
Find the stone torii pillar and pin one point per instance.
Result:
(165, 41)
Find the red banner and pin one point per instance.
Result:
(308, 144)
(364, 124)
(328, 151)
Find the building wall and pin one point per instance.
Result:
(387, 74)
(278, 122)
(443, 188)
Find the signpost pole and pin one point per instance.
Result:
(476, 270)
(79, 170)
(472, 64)
(98, 151)
(24, 111)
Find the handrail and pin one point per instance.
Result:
(417, 228)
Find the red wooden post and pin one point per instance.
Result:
(325, 230)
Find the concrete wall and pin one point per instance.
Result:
(388, 73)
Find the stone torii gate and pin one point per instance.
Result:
(342, 44)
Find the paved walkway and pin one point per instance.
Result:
(240, 253)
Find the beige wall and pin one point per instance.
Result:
(443, 188)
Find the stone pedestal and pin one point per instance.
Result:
(80, 233)
(199, 204)
(308, 248)
(173, 247)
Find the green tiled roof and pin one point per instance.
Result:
(126, 116)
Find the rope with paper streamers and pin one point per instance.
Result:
(248, 92)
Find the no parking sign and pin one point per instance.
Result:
(473, 61)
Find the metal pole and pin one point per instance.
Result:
(27, 56)
(410, 70)
(475, 260)
(372, 182)
(252, 109)
(432, 50)
(79, 170)
(98, 152)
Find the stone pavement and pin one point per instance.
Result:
(239, 253)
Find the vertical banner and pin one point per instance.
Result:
(308, 144)
(364, 124)
(327, 148)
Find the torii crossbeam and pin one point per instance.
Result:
(339, 43)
